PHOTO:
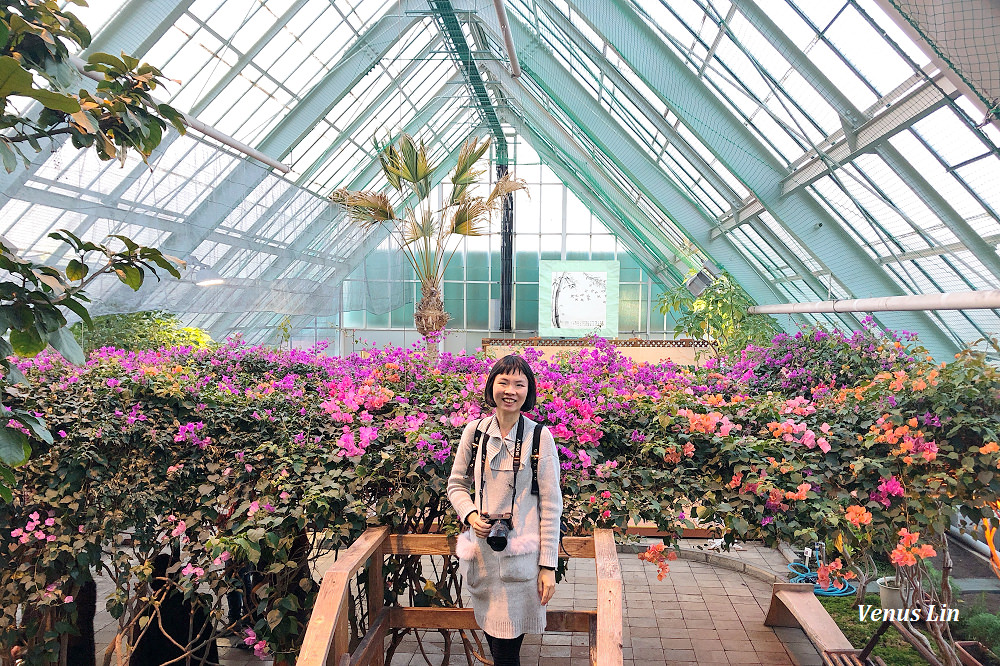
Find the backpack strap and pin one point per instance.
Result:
(535, 440)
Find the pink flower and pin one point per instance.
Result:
(606, 514)
(69, 599)
(179, 529)
(254, 508)
(191, 569)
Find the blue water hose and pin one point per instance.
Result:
(801, 573)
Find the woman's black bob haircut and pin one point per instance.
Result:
(511, 365)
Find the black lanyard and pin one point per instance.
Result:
(517, 464)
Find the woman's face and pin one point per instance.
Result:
(510, 392)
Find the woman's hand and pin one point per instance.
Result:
(546, 584)
(480, 527)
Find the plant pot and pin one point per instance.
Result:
(974, 653)
(890, 595)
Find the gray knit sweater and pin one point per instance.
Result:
(504, 586)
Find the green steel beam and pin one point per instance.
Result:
(651, 115)
(454, 36)
(705, 115)
(917, 109)
(603, 130)
(137, 26)
(365, 54)
(247, 57)
(656, 119)
(666, 261)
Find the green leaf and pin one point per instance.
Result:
(129, 243)
(80, 311)
(76, 270)
(15, 375)
(54, 100)
(173, 116)
(5, 492)
(8, 155)
(129, 275)
(14, 448)
(107, 59)
(27, 343)
(14, 79)
(64, 342)
(38, 427)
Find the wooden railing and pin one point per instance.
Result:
(328, 636)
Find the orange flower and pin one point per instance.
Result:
(908, 538)
(858, 516)
(989, 447)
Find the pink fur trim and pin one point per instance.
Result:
(519, 545)
(465, 548)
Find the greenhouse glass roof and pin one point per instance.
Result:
(815, 150)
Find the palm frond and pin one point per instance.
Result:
(470, 218)
(413, 165)
(414, 229)
(365, 208)
(466, 173)
(388, 157)
(506, 185)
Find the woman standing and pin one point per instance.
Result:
(510, 573)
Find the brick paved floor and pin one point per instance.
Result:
(699, 614)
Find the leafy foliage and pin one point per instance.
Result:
(136, 331)
(718, 315)
(120, 116)
(31, 300)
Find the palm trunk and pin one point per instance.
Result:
(430, 318)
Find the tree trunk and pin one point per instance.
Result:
(430, 319)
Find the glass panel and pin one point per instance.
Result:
(478, 306)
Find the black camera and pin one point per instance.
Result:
(499, 531)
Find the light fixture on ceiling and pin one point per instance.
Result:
(203, 275)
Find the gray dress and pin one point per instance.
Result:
(504, 585)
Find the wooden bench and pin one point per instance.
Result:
(327, 636)
(796, 605)
(852, 658)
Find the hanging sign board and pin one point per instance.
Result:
(578, 298)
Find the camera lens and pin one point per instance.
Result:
(497, 540)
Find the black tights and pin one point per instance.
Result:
(505, 651)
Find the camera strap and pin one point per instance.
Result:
(517, 464)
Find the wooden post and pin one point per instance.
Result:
(376, 598)
(341, 635)
(609, 599)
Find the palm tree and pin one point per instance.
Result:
(423, 234)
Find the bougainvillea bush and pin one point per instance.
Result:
(246, 464)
